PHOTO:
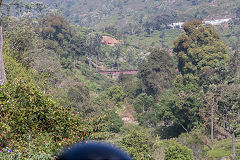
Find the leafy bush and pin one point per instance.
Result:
(143, 103)
(177, 152)
(137, 142)
(26, 115)
(157, 73)
(116, 94)
(145, 107)
(115, 122)
(180, 108)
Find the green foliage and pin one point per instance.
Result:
(56, 54)
(222, 148)
(237, 131)
(21, 37)
(186, 83)
(157, 73)
(99, 128)
(235, 65)
(114, 122)
(27, 113)
(130, 85)
(143, 103)
(55, 28)
(13, 68)
(194, 141)
(218, 75)
(163, 38)
(116, 94)
(145, 107)
(181, 108)
(231, 34)
(228, 104)
(68, 43)
(137, 142)
(177, 152)
(78, 95)
(38, 148)
(202, 61)
(160, 22)
(93, 42)
(138, 12)
(199, 48)
(112, 31)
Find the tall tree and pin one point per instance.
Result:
(199, 48)
(2, 70)
(210, 101)
(202, 60)
(157, 73)
(224, 101)
(180, 106)
(93, 42)
(55, 28)
(146, 110)
(228, 104)
(235, 65)
(116, 52)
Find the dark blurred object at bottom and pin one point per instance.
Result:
(94, 151)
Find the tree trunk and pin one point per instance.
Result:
(2, 70)
(90, 63)
(117, 66)
(233, 144)
(97, 63)
(212, 127)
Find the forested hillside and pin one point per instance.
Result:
(135, 12)
(152, 77)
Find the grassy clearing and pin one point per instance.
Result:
(157, 38)
(223, 148)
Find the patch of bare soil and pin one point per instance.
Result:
(127, 115)
(110, 41)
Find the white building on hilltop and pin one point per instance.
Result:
(212, 22)
(217, 21)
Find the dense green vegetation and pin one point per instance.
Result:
(187, 87)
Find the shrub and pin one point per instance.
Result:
(177, 152)
(115, 122)
(26, 115)
(137, 142)
(145, 107)
(116, 94)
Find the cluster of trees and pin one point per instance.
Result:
(33, 125)
(160, 22)
(19, 7)
(50, 53)
(207, 83)
(172, 93)
(59, 52)
(231, 34)
(135, 15)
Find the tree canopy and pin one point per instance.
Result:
(199, 48)
(157, 73)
